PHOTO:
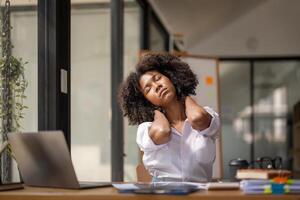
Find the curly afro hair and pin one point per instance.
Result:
(132, 101)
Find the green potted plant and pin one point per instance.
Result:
(12, 90)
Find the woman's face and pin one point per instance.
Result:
(157, 88)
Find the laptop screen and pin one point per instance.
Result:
(43, 159)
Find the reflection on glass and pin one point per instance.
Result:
(276, 91)
(274, 95)
(235, 109)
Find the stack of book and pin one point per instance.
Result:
(260, 186)
(262, 173)
(267, 181)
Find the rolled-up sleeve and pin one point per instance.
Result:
(214, 127)
(143, 139)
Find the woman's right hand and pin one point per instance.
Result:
(160, 130)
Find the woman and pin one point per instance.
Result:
(176, 134)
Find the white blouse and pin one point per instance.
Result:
(186, 157)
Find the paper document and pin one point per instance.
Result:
(138, 185)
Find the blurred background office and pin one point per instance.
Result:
(256, 43)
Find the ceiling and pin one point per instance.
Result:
(197, 19)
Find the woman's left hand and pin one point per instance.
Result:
(198, 117)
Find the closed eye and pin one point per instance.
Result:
(147, 89)
(157, 77)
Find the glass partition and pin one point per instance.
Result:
(131, 56)
(24, 40)
(91, 89)
(275, 94)
(274, 84)
(235, 108)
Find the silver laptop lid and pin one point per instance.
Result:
(43, 159)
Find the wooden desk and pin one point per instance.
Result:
(110, 193)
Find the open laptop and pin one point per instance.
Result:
(44, 160)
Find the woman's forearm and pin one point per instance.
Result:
(160, 130)
(198, 117)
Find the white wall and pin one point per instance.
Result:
(271, 29)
